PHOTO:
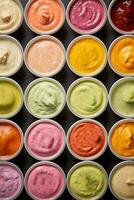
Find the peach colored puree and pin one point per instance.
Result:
(45, 56)
(45, 15)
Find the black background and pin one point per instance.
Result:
(66, 118)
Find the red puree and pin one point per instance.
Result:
(122, 15)
(87, 139)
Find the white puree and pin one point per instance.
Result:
(10, 57)
(10, 16)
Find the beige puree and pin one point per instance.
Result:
(45, 57)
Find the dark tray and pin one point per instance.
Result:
(66, 118)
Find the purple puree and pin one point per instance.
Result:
(10, 181)
(87, 14)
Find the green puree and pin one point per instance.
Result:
(87, 182)
(122, 98)
(45, 98)
(10, 98)
(87, 98)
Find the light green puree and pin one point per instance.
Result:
(87, 98)
(87, 182)
(122, 98)
(45, 98)
(10, 98)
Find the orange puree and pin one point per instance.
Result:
(122, 55)
(45, 15)
(10, 139)
(87, 139)
(122, 139)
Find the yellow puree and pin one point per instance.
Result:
(122, 139)
(87, 56)
(122, 56)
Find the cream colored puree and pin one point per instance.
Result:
(45, 15)
(10, 15)
(122, 182)
(10, 56)
(45, 57)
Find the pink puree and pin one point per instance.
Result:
(87, 14)
(45, 182)
(45, 139)
(10, 181)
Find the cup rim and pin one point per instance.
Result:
(40, 164)
(82, 32)
(22, 179)
(40, 80)
(19, 25)
(109, 139)
(7, 158)
(112, 24)
(21, 49)
(45, 32)
(118, 82)
(33, 41)
(73, 43)
(41, 158)
(114, 42)
(6, 116)
(115, 168)
(91, 163)
(81, 80)
(82, 158)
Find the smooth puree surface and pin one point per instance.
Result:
(10, 98)
(87, 139)
(10, 15)
(122, 139)
(45, 16)
(10, 56)
(87, 56)
(45, 139)
(122, 98)
(45, 57)
(122, 182)
(87, 181)
(10, 182)
(10, 139)
(45, 98)
(45, 182)
(87, 98)
(122, 55)
(87, 15)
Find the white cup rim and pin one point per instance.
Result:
(19, 25)
(109, 52)
(116, 167)
(82, 80)
(110, 135)
(91, 163)
(118, 82)
(79, 31)
(36, 39)
(41, 158)
(44, 32)
(94, 157)
(7, 158)
(40, 164)
(78, 39)
(112, 24)
(22, 179)
(40, 80)
(21, 49)
(6, 116)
